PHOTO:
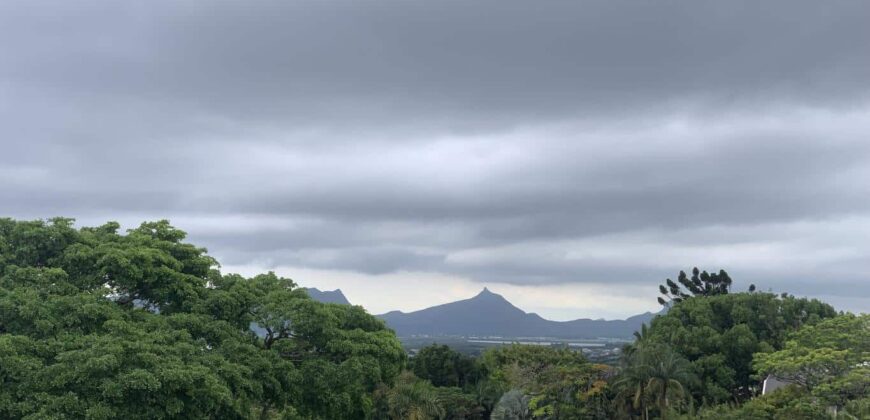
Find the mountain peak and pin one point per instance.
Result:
(327, 296)
(323, 291)
(489, 313)
(487, 297)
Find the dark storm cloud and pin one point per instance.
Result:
(478, 64)
(502, 141)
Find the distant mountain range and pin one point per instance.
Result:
(490, 314)
(326, 296)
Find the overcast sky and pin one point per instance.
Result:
(569, 156)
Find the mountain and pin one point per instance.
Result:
(490, 314)
(326, 296)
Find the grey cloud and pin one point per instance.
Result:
(384, 137)
(483, 64)
(370, 259)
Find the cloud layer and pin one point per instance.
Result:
(581, 144)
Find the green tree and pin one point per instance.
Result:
(669, 374)
(784, 404)
(719, 334)
(414, 399)
(631, 383)
(701, 284)
(444, 366)
(97, 324)
(459, 405)
(651, 372)
(560, 382)
(826, 365)
(818, 353)
(513, 405)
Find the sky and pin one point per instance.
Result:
(567, 155)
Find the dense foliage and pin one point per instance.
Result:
(652, 377)
(510, 382)
(95, 324)
(814, 355)
(828, 365)
(560, 382)
(720, 334)
(715, 348)
(443, 366)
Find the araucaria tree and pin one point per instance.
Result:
(701, 284)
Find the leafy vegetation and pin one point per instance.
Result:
(442, 366)
(720, 334)
(731, 342)
(560, 382)
(97, 324)
(816, 354)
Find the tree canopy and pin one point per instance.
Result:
(817, 354)
(443, 366)
(559, 382)
(720, 334)
(701, 284)
(97, 324)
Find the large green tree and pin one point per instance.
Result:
(720, 334)
(632, 383)
(817, 354)
(651, 374)
(98, 324)
(444, 366)
(827, 367)
(669, 377)
(559, 382)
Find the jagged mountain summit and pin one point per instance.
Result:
(327, 296)
(490, 314)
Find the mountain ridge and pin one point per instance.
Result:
(327, 296)
(490, 314)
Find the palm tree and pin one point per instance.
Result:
(414, 399)
(668, 373)
(643, 335)
(633, 379)
(641, 338)
(651, 369)
(513, 405)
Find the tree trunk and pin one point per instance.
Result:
(663, 407)
(264, 414)
(643, 407)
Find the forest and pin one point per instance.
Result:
(96, 323)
